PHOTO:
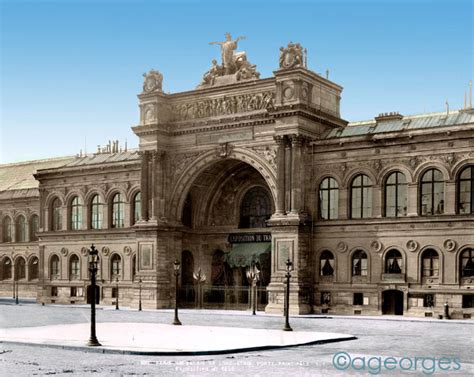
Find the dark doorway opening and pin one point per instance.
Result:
(89, 294)
(392, 302)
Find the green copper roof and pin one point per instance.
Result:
(412, 122)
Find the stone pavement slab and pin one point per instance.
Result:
(163, 339)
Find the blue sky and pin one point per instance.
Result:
(71, 70)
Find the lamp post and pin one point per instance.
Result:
(287, 296)
(93, 261)
(140, 295)
(176, 320)
(16, 297)
(117, 293)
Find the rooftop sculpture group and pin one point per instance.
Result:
(235, 66)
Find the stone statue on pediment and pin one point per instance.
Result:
(227, 53)
(210, 76)
(153, 81)
(291, 56)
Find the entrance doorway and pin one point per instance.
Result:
(392, 302)
(89, 294)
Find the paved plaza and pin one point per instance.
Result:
(418, 343)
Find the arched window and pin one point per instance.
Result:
(34, 228)
(20, 269)
(430, 263)
(74, 268)
(467, 263)
(137, 207)
(359, 263)
(396, 195)
(326, 263)
(54, 267)
(255, 209)
(432, 193)
(56, 213)
(33, 268)
(466, 191)
(20, 229)
(361, 197)
(96, 212)
(393, 262)
(328, 199)
(117, 211)
(6, 268)
(187, 270)
(115, 266)
(187, 217)
(76, 213)
(7, 229)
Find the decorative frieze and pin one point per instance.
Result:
(226, 105)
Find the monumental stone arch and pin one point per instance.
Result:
(223, 177)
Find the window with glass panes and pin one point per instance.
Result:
(467, 263)
(21, 229)
(396, 195)
(20, 269)
(74, 269)
(466, 191)
(327, 263)
(7, 229)
(328, 199)
(137, 207)
(54, 266)
(430, 263)
(361, 197)
(359, 263)
(432, 193)
(34, 227)
(56, 214)
(76, 213)
(115, 265)
(393, 262)
(117, 211)
(96, 213)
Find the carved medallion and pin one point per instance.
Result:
(64, 252)
(376, 246)
(105, 250)
(127, 250)
(291, 56)
(449, 245)
(412, 245)
(341, 247)
(84, 251)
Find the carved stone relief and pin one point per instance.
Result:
(223, 106)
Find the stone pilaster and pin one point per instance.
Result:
(144, 186)
(450, 197)
(288, 177)
(296, 181)
(412, 199)
(280, 160)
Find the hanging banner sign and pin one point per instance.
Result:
(249, 237)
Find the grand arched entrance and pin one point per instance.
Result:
(224, 218)
(392, 302)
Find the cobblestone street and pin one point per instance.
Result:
(382, 337)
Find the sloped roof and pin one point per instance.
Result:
(104, 158)
(19, 176)
(412, 122)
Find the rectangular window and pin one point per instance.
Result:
(114, 292)
(73, 292)
(325, 298)
(358, 299)
(428, 301)
(468, 301)
(54, 291)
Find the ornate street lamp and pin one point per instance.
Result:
(176, 321)
(287, 296)
(93, 261)
(253, 276)
(117, 294)
(140, 295)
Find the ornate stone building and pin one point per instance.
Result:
(243, 173)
